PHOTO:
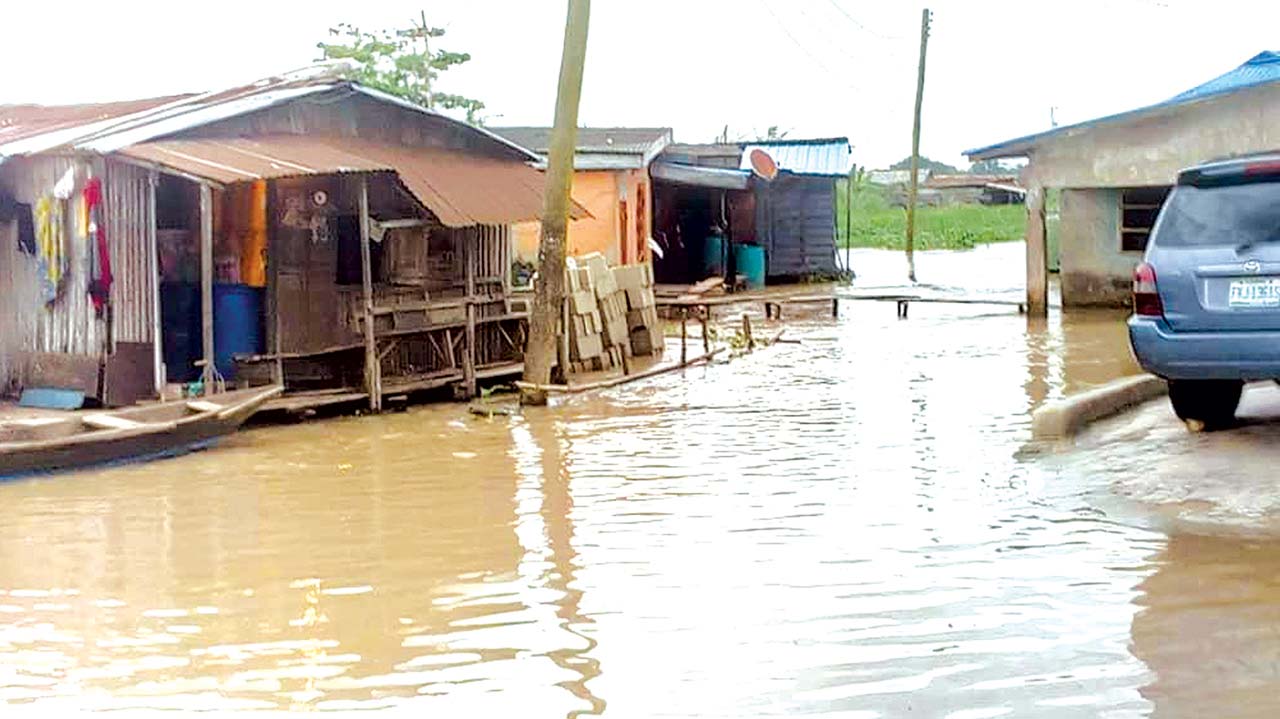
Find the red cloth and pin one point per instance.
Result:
(100, 268)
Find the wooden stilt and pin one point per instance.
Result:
(153, 259)
(209, 372)
(684, 334)
(469, 359)
(372, 365)
(746, 331)
(706, 333)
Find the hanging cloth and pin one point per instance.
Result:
(99, 253)
(51, 246)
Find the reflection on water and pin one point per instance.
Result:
(844, 527)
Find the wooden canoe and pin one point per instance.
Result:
(60, 442)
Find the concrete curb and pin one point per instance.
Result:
(1066, 417)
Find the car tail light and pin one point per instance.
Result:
(1146, 298)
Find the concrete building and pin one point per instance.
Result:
(1115, 172)
(611, 180)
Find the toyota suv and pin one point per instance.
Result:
(1206, 298)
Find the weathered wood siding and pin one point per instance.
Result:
(795, 221)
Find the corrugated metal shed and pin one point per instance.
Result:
(1261, 69)
(829, 157)
(461, 189)
(795, 220)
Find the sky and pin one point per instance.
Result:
(814, 68)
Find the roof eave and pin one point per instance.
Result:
(529, 155)
(1023, 146)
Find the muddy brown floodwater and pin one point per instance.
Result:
(849, 527)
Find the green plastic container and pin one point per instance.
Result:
(750, 262)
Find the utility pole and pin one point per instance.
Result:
(925, 17)
(548, 289)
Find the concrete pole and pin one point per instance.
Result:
(549, 286)
(1037, 254)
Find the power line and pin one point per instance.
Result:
(843, 77)
(859, 25)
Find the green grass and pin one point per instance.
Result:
(874, 223)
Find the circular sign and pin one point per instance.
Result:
(320, 198)
(763, 165)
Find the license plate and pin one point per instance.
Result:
(1254, 293)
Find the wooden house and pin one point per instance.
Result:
(303, 229)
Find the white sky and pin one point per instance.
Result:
(812, 67)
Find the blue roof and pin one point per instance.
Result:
(833, 157)
(1261, 69)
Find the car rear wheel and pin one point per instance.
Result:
(1212, 402)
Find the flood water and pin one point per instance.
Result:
(853, 526)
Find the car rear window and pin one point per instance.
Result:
(1221, 215)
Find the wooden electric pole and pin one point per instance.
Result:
(548, 288)
(915, 150)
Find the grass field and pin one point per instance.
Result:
(874, 223)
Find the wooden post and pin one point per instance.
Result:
(562, 341)
(372, 364)
(684, 335)
(153, 258)
(274, 339)
(206, 287)
(469, 241)
(915, 151)
(704, 318)
(835, 307)
(549, 286)
(746, 331)
(1037, 254)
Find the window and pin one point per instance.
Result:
(1139, 207)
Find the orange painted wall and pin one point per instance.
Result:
(606, 194)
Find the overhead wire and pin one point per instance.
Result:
(859, 25)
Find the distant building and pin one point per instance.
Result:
(611, 180)
(975, 189)
(1115, 173)
(705, 193)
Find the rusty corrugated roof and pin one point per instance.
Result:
(461, 189)
(18, 122)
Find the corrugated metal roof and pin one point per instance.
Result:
(461, 189)
(614, 140)
(126, 124)
(833, 157)
(1261, 69)
(701, 176)
(598, 148)
(22, 121)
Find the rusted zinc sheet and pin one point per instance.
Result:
(462, 189)
(70, 325)
(18, 122)
(128, 219)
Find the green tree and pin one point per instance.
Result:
(926, 164)
(401, 62)
(995, 167)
